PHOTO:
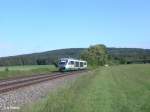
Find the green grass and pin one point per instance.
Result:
(26, 67)
(124, 88)
(17, 71)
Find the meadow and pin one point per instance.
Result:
(17, 71)
(123, 88)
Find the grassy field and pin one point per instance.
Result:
(16, 71)
(124, 88)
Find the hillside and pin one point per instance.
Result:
(40, 58)
(130, 55)
(125, 54)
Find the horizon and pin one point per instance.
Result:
(67, 48)
(35, 26)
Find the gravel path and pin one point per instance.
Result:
(13, 100)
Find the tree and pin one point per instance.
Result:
(95, 55)
(41, 62)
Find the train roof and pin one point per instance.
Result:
(71, 59)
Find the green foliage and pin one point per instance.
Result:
(6, 69)
(95, 55)
(44, 58)
(129, 55)
(41, 62)
(123, 88)
(55, 63)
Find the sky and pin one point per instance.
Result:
(28, 26)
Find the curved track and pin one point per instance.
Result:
(12, 84)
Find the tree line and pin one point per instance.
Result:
(95, 55)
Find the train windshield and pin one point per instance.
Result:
(62, 62)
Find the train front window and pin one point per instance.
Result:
(62, 63)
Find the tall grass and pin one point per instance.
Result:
(108, 89)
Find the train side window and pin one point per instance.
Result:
(77, 64)
(81, 64)
(69, 63)
(85, 63)
(72, 62)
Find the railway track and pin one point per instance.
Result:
(12, 84)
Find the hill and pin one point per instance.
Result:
(42, 58)
(129, 55)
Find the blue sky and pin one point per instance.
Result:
(28, 26)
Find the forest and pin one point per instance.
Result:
(118, 55)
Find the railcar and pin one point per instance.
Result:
(69, 64)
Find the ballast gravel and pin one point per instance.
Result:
(13, 100)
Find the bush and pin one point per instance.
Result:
(6, 69)
(96, 55)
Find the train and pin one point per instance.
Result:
(70, 64)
